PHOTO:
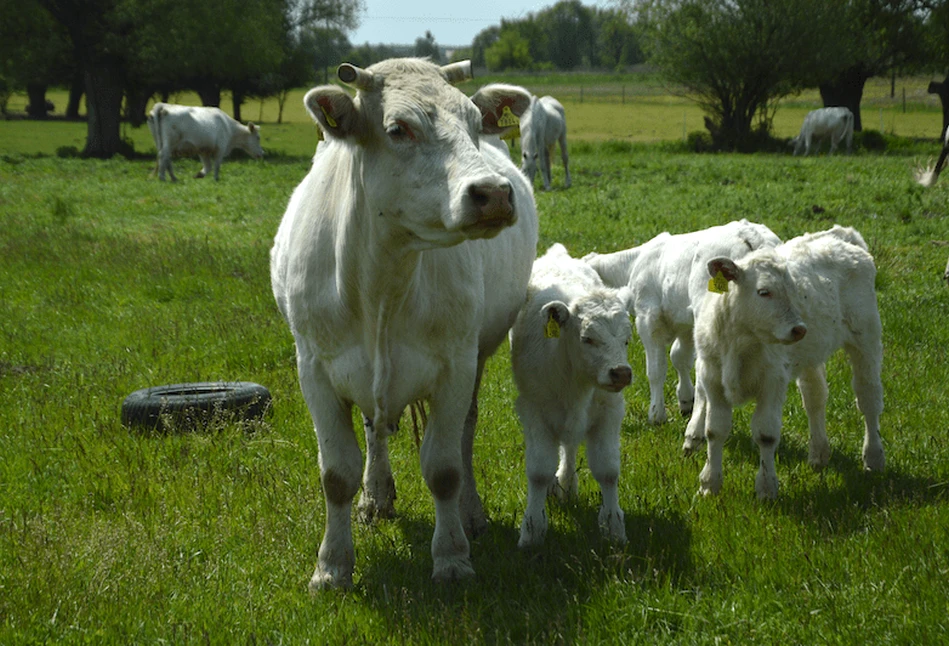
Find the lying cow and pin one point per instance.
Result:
(541, 127)
(208, 133)
(400, 265)
(780, 315)
(928, 176)
(568, 353)
(667, 278)
(833, 123)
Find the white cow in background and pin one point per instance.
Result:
(782, 313)
(542, 126)
(928, 176)
(568, 354)
(208, 133)
(400, 265)
(667, 277)
(835, 123)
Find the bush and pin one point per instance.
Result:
(869, 139)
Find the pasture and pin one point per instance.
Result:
(111, 281)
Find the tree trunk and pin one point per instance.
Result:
(76, 90)
(942, 90)
(847, 91)
(237, 98)
(37, 108)
(136, 100)
(209, 92)
(104, 82)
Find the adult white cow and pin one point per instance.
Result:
(835, 123)
(569, 357)
(667, 278)
(400, 265)
(544, 125)
(928, 176)
(781, 314)
(208, 133)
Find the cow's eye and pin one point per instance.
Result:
(400, 131)
(587, 340)
(764, 293)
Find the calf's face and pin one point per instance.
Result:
(595, 331)
(764, 298)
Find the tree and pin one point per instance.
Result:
(569, 28)
(428, 47)
(737, 57)
(617, 42)
(510, 51)
(481, 43)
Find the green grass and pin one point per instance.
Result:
(111, 281)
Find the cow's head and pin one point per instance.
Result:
(595, 331)
(761, 295)
(415, 144)
(532, 125)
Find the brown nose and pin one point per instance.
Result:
(798, 332)
(622, 376)
(492, 201)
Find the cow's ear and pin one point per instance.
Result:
(627, 297)
(726, 266)
(333, 109)
(555, 314)
(251, 127)
(501, 106)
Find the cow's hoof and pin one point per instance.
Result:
(691, 445)
(613, 526)
(452, 569)
(709, 484)
(685, 407)
(369, 510)
(874, 459)
(330, 580)
(657, 415)
(766, 486)
(819, 456)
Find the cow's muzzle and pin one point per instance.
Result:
(492, 205)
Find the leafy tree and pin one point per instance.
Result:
(737, 57)
(510, 51)
(427, 46)
(617, 42)
(481, 43)
(570, 37)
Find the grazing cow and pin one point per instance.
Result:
(208, 133)
(780, 315)
(400, 265)
(568, 352)
(667, 277)
(929, 175)
(836, 123)
(541, 127)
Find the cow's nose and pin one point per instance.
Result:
(798, 332)
(622, 376)
(492, 201)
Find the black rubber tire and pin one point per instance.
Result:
(192, 406)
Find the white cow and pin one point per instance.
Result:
(836, 123)
(569, 356)
(785, 311)
(541, 127)
(400, 265)
(667, 277)
(208, 133)
(929, 175)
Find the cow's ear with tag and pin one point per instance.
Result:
(333, 109)
(726, 266)
(555, 314)
(501, 106)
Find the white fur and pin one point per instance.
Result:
(400, 265)
(668, 279)
(835, 123)
(786, 311)
(542, 126)
(570, 386)
(193, 130)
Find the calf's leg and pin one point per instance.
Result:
(813, 386)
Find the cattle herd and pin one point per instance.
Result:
(407, 255)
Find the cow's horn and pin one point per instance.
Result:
(458, 72)
(355, 76)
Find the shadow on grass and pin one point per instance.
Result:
(544, 589)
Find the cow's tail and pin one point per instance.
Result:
(928, 176)
(158, 112)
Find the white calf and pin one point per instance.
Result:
(667, 278)
(542, 126)
(836, 123)
(568, 352)
(784, 312)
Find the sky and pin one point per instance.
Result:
(400, 22)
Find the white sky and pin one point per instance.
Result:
(400, 22)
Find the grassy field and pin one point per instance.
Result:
(111, 281)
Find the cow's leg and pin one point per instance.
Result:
(205, 166)
(656, 366)
(443, 470)
(540, 457)
(472, 509)
(565, 157)
(218, 159)
(865, 361)
(604, 459)
(340, 462)
(813, 386)
(567, 484)
(682, 356)
(766, 433)
(695, 429)
(545, 166)
(378, 486)
(164, 164)
(718, 426)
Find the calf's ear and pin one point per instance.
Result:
(556, 311)
(726, 266)
(501, 106)
(333, 109)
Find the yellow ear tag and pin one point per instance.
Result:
(552, 329)
(329, 118)
(718, 283)
(509, 120)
